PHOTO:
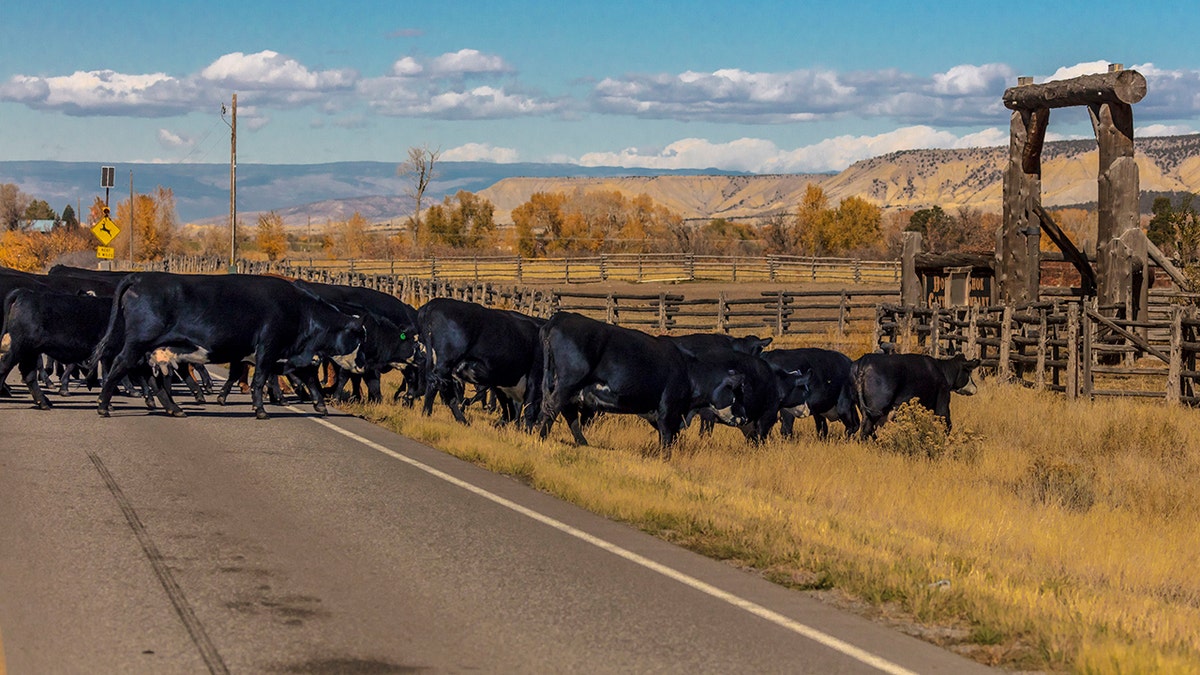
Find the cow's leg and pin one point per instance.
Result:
(185, 374)
(301, 389)
(68, 372)
(7, 363)
(45, 369)
(451, 396)
(786, 420)
(257, 384)
(338, 390)
(848, 414)
(570, 413)
(117, 370)
(206, 381)
(822, 425)
(374, 388)
(236, 369)
(311, 376)
(163, 382)
(31, 374)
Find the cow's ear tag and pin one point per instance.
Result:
(404, 336)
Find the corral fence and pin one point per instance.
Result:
(780, 312)
(1075, 347)
(632, 267)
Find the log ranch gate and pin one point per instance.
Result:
(1114, 337)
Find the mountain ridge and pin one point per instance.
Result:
(305, 194)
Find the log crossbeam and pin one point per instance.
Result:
(1119, 86)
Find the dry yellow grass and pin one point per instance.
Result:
(1051, 534)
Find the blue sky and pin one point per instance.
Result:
(769, 87)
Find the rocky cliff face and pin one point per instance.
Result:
(910, 179)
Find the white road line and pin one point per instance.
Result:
(776, 618)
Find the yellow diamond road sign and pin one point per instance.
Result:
(105, 230)
(105, 252)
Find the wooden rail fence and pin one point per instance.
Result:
(638, 268)
(1077, 348)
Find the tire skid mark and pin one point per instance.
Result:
(208, 651)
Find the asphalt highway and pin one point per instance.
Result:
(299, 544)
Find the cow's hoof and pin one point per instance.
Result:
(42, 405)
(220, 400)
(201, 400)
(321, 410)
(261, 414)
(103, 412)
(176, 413)
(63, 392)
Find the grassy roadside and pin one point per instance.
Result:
(1046, 534)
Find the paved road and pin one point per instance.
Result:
(144, 544)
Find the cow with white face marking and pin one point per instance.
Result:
(821, 388)
(590, 365)
(166, 319)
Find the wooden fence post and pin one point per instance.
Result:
(972, 351)
(722, 313)
(1175, 368)
(843, 314)
(1041, 351)
(691, 266)
(662, 312)
(857, 271)
(520, 275)
(771, 267)
(935, 332)
(1004, 369)
(778, 310)
(1072, 382)
(604, 268)
(610, 309)
(1087, 327)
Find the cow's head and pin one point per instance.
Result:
(960, 373)
(751, 344)
(794, 389)
(344, 344)
(727, 399)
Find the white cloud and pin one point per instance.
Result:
(173, 141)
(1068, 72)
(467, 62)
(763, 156)
(480, 152)
(1165, 130)
(272, 70)
(970, 80)
(407, 67)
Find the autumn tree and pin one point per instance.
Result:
(270, 235)
(155, 224)
(353, 239)
(13, 203)
(856, 225)
(814, 219)
(418, 170)
(466, 221)
(538, 220)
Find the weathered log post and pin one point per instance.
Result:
(1109, 98)
(1004, 368)
(911, 292)
(1072, 379)
(1175, 367)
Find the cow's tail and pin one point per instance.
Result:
(114, 335)
(5, 340)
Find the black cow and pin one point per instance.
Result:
(94, 282)
(824, 389)
(391, 334)
(64, 327)
(760, 392)
(592, 365)
(489, 348)
(168, 319)
(883, 382)
(695, 343)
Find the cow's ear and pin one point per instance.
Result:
(763, 343)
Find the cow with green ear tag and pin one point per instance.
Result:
(390, 341)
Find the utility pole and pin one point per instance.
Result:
(131, 230)
(232, 187)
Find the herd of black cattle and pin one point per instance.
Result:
(145, 330)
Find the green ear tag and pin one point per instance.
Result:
(404, 336)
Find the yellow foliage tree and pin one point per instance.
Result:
(270, 235)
